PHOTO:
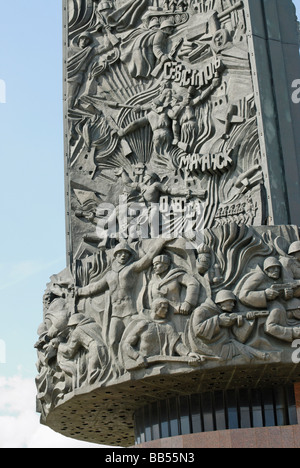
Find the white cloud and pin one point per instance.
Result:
(15, 273)
(19, 422)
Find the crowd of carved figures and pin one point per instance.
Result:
(235, 299)
(165, 86)
(160, 111)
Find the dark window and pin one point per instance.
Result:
(215, 411)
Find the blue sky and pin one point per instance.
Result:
(32, 204)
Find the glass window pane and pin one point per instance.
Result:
(268, 407)
(185, 415)
(219, 405)
(207, 411)
(244, 404)
(232, 412)
(164, 419)
(257, 412)
(155, 422)
(137, 427)
(291, 402)
(173, 412)
(147, 422)
(280, 406)
(142, 425)
(196, 414)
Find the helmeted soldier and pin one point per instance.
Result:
(291, 262)
(120, 283)
(257, 291)
(216, 328)
(168, 281)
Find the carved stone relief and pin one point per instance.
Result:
(172, 267)
(160, 304)
(160, 110)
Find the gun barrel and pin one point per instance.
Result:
(230, 9)
(283, 286)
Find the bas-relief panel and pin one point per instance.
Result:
(160, 111)
(171, 266)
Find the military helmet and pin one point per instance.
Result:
(167, 23)
(270, 262)
(105, 6)
(224, 295)
(294, 247)
(75, 319)
(154, 22)
(123, 246)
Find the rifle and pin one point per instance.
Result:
(282, 287)
(111, 37)
(230, 9)
(259, 314)
(99, 103)
(152, 360)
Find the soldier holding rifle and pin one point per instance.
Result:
(267, 289)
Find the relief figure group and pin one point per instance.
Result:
(150, 309)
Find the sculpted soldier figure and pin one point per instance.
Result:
(120, 281)
(153, 337)
(203, 264)
(78, 62)
(258, 290)
(85, 334)
(168, 282)
(161, 125)
(221, 331)
(185, 126)
(283, 324)
(143, 49)
(291, 263)
(269, 290)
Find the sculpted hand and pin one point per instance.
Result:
(296, 332)
(271, 294)
(288, 294)
(196, 357)
(225, 320)
(185, 308)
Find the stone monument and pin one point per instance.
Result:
(182, 158)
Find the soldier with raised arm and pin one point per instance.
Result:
(120, 282)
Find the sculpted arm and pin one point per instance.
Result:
(158, 46)
(192, 289)
(132, 341)
(92, 289)
(205, 326)
(146, 261)
(69, 349)
(250, 294)
(135, 125)
(276, 325)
